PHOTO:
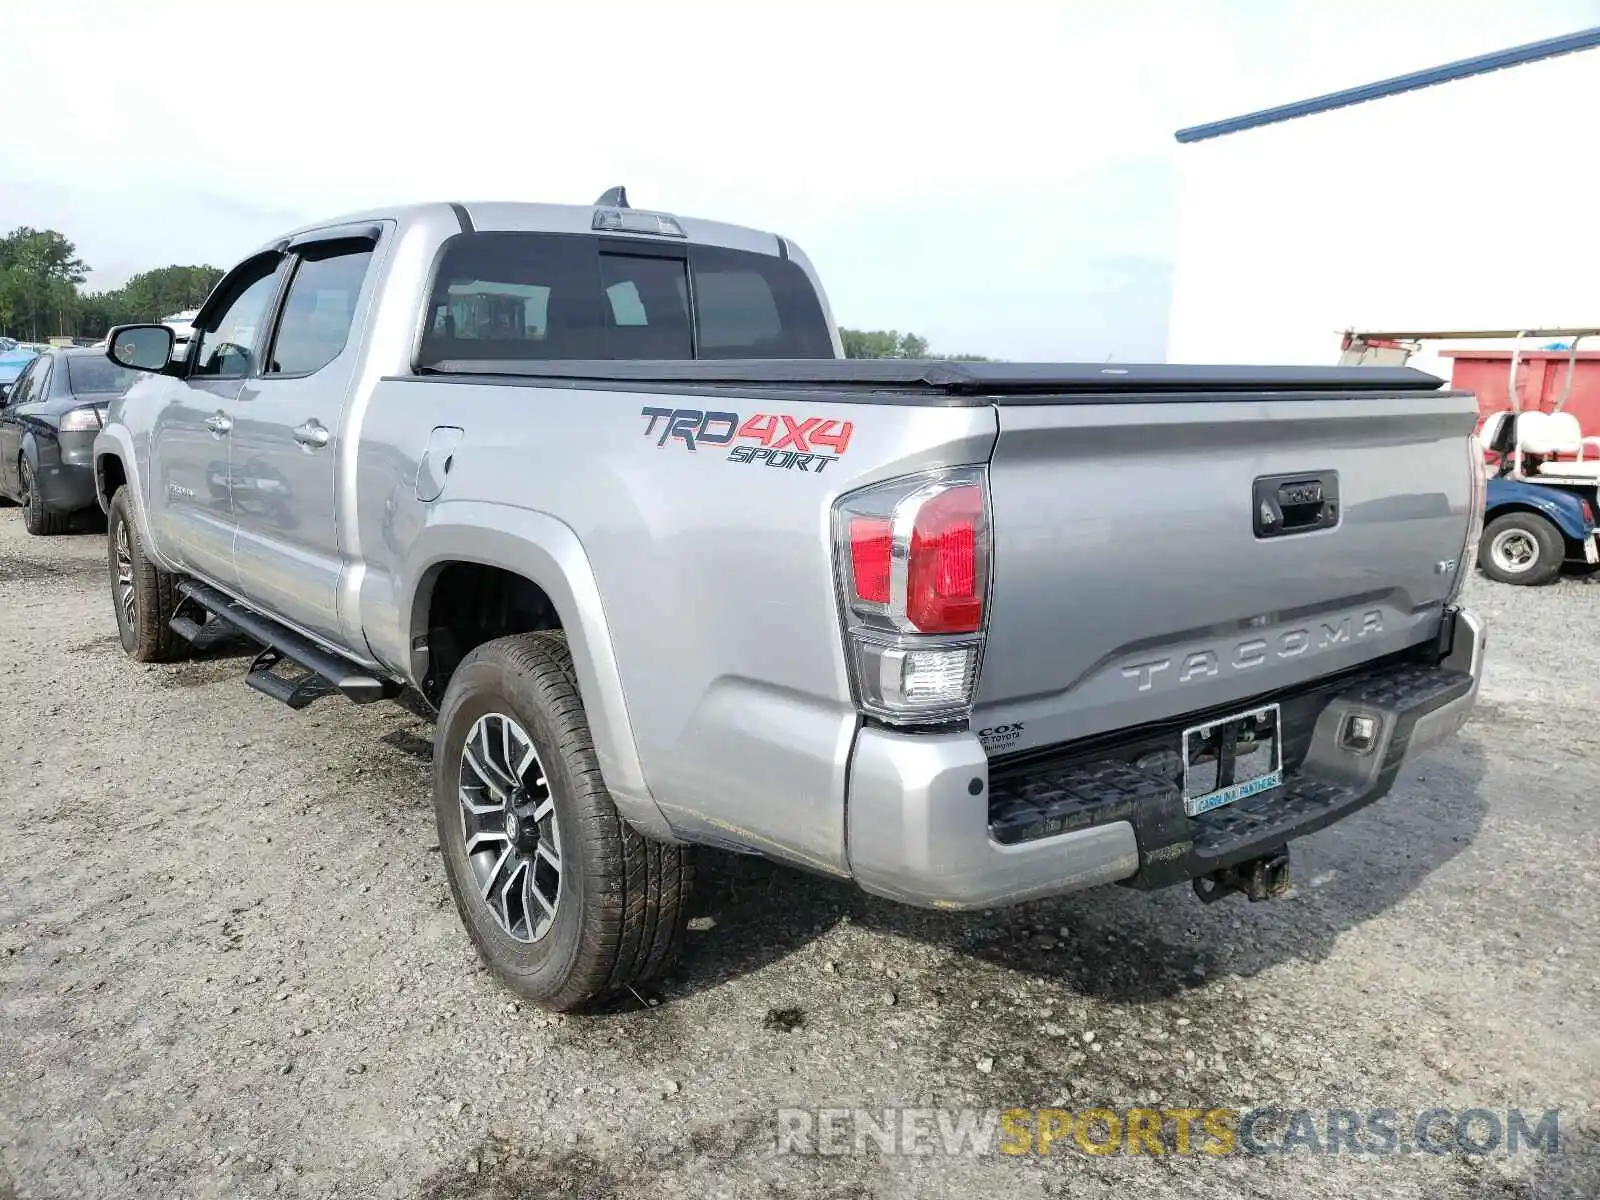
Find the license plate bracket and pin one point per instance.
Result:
(1231, 758)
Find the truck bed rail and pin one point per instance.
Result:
(986, 381)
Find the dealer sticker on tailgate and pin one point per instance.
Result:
(1231, 758)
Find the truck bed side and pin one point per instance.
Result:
(712, 560)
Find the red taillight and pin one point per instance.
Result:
(1588, 513)
(944, 579)
(869, 558)
(912, 558)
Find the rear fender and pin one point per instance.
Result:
(548, 553)
(1564, 509)
(39, 461)
(30, 450)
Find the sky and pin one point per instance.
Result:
(1000, 178)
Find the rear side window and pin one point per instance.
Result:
(557, 296)
(39, 389)
(320, 307)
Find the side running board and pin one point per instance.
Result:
(205, 616)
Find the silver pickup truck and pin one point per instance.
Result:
(596, 483)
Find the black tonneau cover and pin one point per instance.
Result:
(997, 380)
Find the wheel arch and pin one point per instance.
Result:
(116, 466)
(28, 448)
(546, 555)
(110, 473)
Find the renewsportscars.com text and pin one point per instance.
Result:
(1165, 1131)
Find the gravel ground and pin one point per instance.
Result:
(229, 966)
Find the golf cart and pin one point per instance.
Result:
(1540, 506)
(1543, 467)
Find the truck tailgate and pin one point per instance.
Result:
(1136, 577)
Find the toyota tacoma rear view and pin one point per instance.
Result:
(597, 483)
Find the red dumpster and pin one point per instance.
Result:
(1541, 380)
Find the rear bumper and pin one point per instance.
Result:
(924, 811)
(64, 474)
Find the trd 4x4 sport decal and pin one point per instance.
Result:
(772, 439)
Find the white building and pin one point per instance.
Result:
(1462, 197)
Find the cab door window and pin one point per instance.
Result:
(226, 349)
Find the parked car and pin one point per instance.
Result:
(48, 424)
(12, 363)
(596, 483)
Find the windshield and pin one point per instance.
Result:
(96, 374)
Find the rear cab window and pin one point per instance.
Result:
(507, 296)
(95, 374)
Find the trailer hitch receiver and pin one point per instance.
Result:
(1264, 878)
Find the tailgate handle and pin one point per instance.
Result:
(1289, 504)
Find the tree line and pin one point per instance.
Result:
(42, 296)
(891, 343)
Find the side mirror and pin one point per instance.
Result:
(141, 347)
(5, 393)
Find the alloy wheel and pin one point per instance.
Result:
(127, 597)
(509, 827)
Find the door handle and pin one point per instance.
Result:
(312, 434)
(1289, 504)
(219, 423)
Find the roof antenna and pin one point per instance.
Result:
(616, 197)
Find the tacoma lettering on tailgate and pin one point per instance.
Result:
(1256, 651)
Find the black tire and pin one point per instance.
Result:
(622, 899)
(145, 634)
(1521, 548)
(36, 518)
